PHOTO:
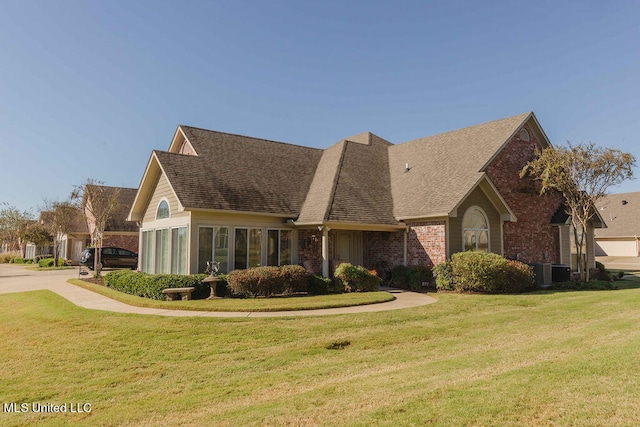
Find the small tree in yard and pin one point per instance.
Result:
(12, 224)
(59, 219)
(37, 234)
(582, 173)
(98, 203)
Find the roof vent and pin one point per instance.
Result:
(406, 167)
(624, 202)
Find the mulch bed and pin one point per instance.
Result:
(96, 280)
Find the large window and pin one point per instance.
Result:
(248, 248)
(179, 250)
(147, 251)
(475, 230)
(213, 244)
(162, 251)
(278, 247)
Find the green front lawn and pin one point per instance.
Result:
(551, 358)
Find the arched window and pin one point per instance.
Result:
(475, 230)
(163, 210)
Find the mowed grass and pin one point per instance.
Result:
(563, 358)
(314, 302)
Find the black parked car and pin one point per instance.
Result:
(111, 257)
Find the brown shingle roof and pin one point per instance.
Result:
(239, 173)
(352, 184)
(444, 168)
(118, 221)
(622, 218)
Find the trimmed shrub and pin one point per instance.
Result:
(485, 273)
(602, 273)
(318, 285)
(268, 281)
(356, 278)
(413, 278)
(19, 260)
(48, 262)
(444, 276)
(151, 285)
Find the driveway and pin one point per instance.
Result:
(620, 262)
(16, 278)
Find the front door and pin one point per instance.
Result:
(348, 247)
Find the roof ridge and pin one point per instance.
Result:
(467, 127)
(249, 137)
(334, 186)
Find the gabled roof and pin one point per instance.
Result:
(359, 180)
(351, 184)
(442, 169)
(621, 213)
(234, 173)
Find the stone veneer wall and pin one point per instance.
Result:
(532, 238)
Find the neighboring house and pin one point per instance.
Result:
(247, 202)
(118, 232)
(622, 235)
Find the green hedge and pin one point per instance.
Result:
(48, 262)
(356, 278)
(484, 272)
(268, 281)
(151, 285)
(414, 278)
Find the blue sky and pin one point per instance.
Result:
(88, 89)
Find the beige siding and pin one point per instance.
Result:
(476, 198)
(161, 190)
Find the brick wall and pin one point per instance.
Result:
(382, 247)
(126, 242)
(426, 245)
(531, 237)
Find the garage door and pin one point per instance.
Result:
(616, 248)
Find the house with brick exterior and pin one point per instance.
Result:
(247, 202)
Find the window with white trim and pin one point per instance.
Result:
(475, 230)
(163, 210)
(279, 244)
(213, 245)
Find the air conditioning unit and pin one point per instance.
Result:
(542, 273)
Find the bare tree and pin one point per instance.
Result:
(582, 173)
(98, 203)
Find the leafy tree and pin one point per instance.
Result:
(99, 203)
(582, 173)
(37, 234)
(59, 219)
(12, 223)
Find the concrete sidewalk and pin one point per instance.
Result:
(16, 278)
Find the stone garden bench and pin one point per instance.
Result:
(172, 293)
